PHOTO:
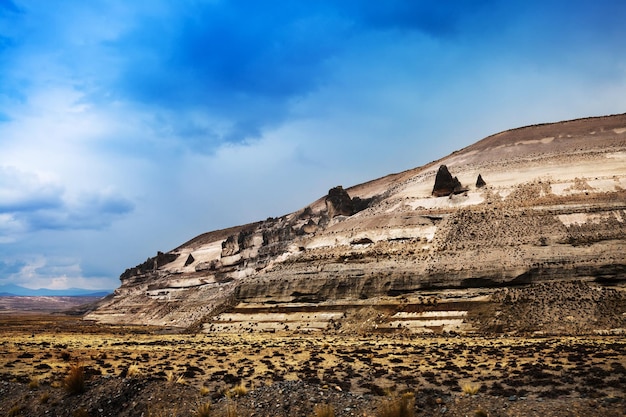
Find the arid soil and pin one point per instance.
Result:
(134, 371)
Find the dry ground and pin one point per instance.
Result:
(133, 371)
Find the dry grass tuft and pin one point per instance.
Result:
(239, 390)
(44, 398)
(172, 378)
(480, 413)
(469, 388)
(231, 409)
(203, 410)
(324, 410)
(403, 406)
(204, 391)
(33, 383)
(15, 411)
(74, 382)
(133, 371)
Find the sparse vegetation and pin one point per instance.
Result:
(324, 410)
(173, 378)
(33, 383)
(133, 371)
(403, 406)
(470, 388)
(203, 410)
(15, 410)
(239, 390)
(215, 365)
(74, 382)
(231, 409)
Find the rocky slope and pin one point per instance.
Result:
(527, 220)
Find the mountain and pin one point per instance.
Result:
(523, 231)
(16, 290)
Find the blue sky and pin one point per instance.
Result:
(128, 127)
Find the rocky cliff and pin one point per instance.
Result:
(477, 241)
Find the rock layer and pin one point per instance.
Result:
(389, 255)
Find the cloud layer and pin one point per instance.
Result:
(130, 127)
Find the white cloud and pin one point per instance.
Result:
(55, 274)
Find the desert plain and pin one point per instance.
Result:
(141, 370)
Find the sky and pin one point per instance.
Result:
(129, 127)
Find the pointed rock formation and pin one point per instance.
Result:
(480, 182)
(445, 184)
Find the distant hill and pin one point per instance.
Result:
(11, 290)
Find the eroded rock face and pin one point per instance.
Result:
(446, 184)
(436, 264)
(339, 202)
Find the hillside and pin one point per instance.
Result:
(537, 244)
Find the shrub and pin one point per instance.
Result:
(133, 370)
(398, 407)
(239, 390)
(203, 410)
(324, 410)
(74, 382)
(470, 389)
(66, 356)
(172, 378)
(231, 409)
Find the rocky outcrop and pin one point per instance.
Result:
(339, 202)
(446, 184)
(480, 182)
(392, 254)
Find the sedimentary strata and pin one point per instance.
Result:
(415, 251)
